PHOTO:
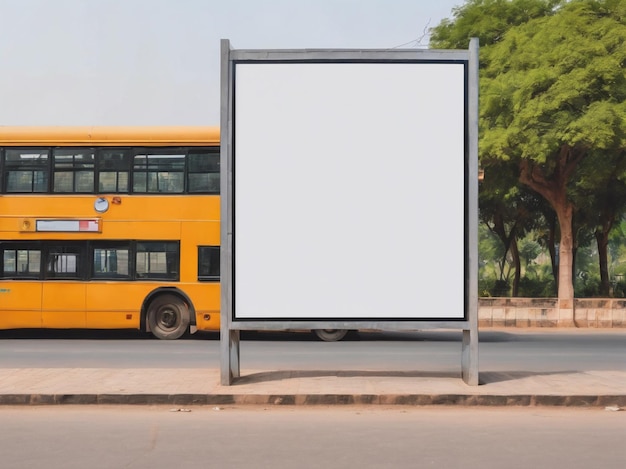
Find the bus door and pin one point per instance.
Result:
(20, 292)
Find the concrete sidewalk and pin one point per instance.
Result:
(184, 387)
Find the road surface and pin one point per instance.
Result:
(96, 437)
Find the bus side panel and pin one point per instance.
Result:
(118, 305)
(122, 229)
(206, 300)
(63, 305)
(20, 304)
(193, 235)
(205, 296)
(115, 305)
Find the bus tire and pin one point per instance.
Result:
(168, 317)
(330, 335)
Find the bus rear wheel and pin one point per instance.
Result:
(168, 317)
(330, 335)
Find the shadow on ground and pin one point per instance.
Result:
(486, 377)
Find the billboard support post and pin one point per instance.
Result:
(229, 337)
(469, 360)
(349, 185)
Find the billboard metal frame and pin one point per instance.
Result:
(230, 324)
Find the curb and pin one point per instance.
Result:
(316, 399)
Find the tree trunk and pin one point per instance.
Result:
(499, 229)
(517, 265)
(553, 188)
(574, 252)
(564, 214)
(552, 250)
(602, 238)
(607, 219)
(557, 197)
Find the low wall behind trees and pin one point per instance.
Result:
(545, 312)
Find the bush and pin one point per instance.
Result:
(587, 285)
(501, 288)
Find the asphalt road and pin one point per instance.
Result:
(96, 437)
(499, 350)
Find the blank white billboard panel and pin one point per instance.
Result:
(349, 190)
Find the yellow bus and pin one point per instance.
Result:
(110, 228)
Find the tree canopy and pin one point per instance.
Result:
(487, 20)
(552, 94)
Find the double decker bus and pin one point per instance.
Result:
(110, 228)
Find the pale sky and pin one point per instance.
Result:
(156, 62)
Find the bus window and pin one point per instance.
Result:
(203, 172)
(113, 170)
(209, 263)
(157, 260)
(26, 170)
(64, 261)
(21, 263)
(73, 170)
(158, 173)
(111, 262)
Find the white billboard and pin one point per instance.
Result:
(349, 198)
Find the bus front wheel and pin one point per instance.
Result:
(168, 317)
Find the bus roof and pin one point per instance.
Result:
(109, 136)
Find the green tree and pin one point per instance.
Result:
(617, 256)
(600, 195)
(500, 214)
(488, 20)
(548, 233)
(553, 94)
(489, 272)
(509, 211)
(501, 199)
(538, 279)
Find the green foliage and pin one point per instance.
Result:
(587, 278)
(553, 112)
(617, 250)
(619, 289)
(555, 80)
(490, 250)
(488, 20)
(537, 282)
(529, 251)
